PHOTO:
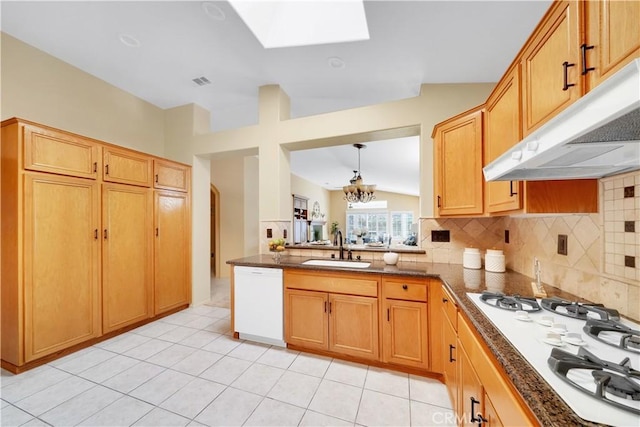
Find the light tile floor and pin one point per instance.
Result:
(185, 369)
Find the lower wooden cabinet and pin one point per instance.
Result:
(471, 411)
(405, 326)
(450, 349)
(345, 324)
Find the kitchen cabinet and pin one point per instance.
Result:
(47, 150)
(171, 176)
(332, 312)
(481, 378)
(449, 345)
(405, 331)
(126, 167)
(551, 65)
(172, 250)
(502, 130)
(78, 248)
(300, 217)
(127, 261)
(458, 176)
(61, 287)
(612, 38)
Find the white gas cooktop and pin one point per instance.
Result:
(529, 337)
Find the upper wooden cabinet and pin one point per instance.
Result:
(47, 150)
(551, 65)
(171, 175)
(612, 38)
(126, 167)
(502, 131)
(458, 164)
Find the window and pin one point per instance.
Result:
(377, 223)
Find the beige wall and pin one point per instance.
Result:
(228, 177)
(38, 87)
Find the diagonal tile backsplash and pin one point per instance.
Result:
(602, 262)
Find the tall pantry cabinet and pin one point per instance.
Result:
(79, 232)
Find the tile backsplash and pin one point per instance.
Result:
(600, 251)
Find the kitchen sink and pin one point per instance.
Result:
(337, 263)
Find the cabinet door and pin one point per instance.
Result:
(126, 167)
(62, 263)
(58, 152)
(491, 414)
(612, 30)
(353, 325)
(306, 319)
(171, 176)
(551, 59)
(471, 392)
(172, 251)
(458, 157)
(127, 221)
(502, 130)
(450, 355)
(405, 333)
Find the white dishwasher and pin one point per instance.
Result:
(257, 304)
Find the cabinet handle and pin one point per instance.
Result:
(325, 306)
(95, 167)
(329, 308)
(405, 287)
(439, 205)
(156, 178)
(451, 348)
(474, 419)
(584, 48)
(106, 169)
(444, 300)
(105, 234)
(511, 192)
(481, 419)
(95, 234)
(388, 316)
(157, 232)
(565, 68)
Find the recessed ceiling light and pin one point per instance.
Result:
(336, 62)
(129, 40)
(211, 9)
(302, 23)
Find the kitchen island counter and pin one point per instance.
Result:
(544, 403)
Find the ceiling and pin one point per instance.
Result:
(411, 42)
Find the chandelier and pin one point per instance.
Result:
(356, 191)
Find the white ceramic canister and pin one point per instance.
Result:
(471, 258)
(494, 261)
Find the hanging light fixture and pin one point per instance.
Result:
(356, 191)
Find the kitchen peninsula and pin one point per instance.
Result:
(523, 395)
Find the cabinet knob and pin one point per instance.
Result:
(405, 287)
(445, 300)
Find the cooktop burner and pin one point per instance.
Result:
(613, 333)
(617, 384)
(512, 303)
(579, 310)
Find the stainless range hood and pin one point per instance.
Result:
(597, 136)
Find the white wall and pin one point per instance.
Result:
(251, 220)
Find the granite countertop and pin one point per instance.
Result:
(545, 404)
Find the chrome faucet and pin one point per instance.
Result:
(341, 247)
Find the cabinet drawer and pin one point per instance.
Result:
(126, 167)
(171, 176)
(58, 152)
(337, 283)
(409, 290)
(449, 307)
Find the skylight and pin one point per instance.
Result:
(301, 23)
